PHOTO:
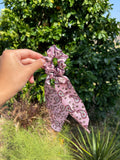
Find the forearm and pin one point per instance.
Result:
(3, 98)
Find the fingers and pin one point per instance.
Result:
(31, 80)
(31, 61)
(24, 53)
(27, 53)
(27, 61)
(36, 65)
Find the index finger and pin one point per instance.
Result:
(27, 53)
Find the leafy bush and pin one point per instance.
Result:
(35, 143)
(39, 24)
(95, 74)
(113, 116)
(100, 145)
(81, 30)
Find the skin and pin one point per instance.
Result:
(16, 68)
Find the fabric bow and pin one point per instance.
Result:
(62, 99)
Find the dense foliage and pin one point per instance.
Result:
(81, 30)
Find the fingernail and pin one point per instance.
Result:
(43, 62)
(43, 59)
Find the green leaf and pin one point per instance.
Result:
(71, 3)
(107, 61)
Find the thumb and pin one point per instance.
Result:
(36, 65)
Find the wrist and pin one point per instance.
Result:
(5, 93)
(3, 98)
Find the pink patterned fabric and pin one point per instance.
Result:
(62, 99)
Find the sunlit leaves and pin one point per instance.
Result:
(81, 30)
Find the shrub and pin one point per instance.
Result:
(95, 76)
(23, 112)
(100, 145)
(32, 144)
(81, 30)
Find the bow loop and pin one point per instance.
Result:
(54, 52)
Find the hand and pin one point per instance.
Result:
(16, 68)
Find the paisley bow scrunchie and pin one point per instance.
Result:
(61, 99)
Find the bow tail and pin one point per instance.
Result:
(77, 115)
(73, 104)
(56, 109)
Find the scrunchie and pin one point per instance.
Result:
(61, 99)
